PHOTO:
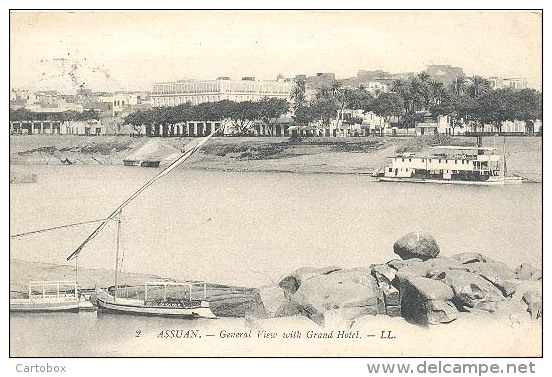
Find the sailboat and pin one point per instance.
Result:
(159, 298)
(48, 296)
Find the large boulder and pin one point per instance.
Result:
(430, 267)
(527, 271)
(383, 272)
(496, 272)
(272, 298)
(471, 290)
(426, 301)
(466, 258)
(523, 286)
(430, 289)
(287, 309)
(530, 293)
(416, 245)
(235, 302)
(293, 281)
(397, 264)
(351, 292)
(385, 276)
(533, 299)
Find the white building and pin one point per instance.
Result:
(504, 83)
(119, 102)
(517, 127)
(223, 88)
(370, 123)
(22, 97)
(376, 87)
(438, 125)
(89, 127)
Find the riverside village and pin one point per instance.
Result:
(245, 216)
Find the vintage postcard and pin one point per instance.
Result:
(275, 183)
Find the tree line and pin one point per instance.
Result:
(242, 114)
(25, 115)
(467, 100)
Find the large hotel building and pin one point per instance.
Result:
(195, 92)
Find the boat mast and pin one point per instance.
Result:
(117, 254)
(165, 171)
(76, 272)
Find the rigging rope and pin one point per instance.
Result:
(167, 170)
(58, 227)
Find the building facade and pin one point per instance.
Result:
(223, 88)
(504, 83)
(434, 125)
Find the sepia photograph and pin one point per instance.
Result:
(284, 183)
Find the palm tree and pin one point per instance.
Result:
(424, 77)
(478, 86)
(400, 87)
(298, 97)
(420, 92)
(459, 86)
(438, 92)
(337, 92)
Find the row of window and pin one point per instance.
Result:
(175, 101)
(440, 160)
(218, 87)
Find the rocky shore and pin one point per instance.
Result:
(417, 304)
(420, 286)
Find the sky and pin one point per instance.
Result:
(131, 50)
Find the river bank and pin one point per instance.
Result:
(259, 154)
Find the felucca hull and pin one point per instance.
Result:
(137, 307)
(43, 306)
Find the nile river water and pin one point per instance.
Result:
(250, 228)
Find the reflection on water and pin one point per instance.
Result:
(245, 229)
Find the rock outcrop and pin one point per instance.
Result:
(533, 299)
(293, 281)
(351, 293)
(416, 245)
(496, 272)
(422, 287)
(427, 302)
(385, 276)
(527, 271)
(471, 291)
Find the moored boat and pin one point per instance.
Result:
(448, 165)
(48, 296)
(142, 163)
(175, 299)
(185, 307)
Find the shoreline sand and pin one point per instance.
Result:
(360, 156)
